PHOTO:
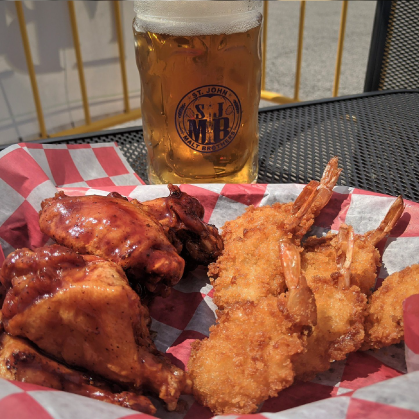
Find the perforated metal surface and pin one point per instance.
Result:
(400, 60)
(375, 136)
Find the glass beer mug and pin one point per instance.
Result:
(200, 70)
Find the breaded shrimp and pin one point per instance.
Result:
(340, 307)
(366, 257)
(275, 214)
(249, 267)
(249, 354)
(384, 322)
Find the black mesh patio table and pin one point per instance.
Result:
(375, 135)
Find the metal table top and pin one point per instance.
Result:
(375, 135)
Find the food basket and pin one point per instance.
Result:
(367, 384)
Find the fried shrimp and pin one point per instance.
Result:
(270, 215)
(340, 307)
(249, 354)
(384, 322)
(366, 257)
(341, 270)
(249, 267)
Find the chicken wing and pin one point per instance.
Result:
(20, 361)
(115, 230)
(384, 322)
(81, 310)
(181, 216)
(249, 267)
(2, 296)
(248, 355)
(2, 293)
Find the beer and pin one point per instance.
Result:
(200, 88)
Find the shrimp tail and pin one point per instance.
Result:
(346, 241)
(310, 190)
(301, 303)
(313, 198)
(327, 183)
(390, 220)
(302, 206)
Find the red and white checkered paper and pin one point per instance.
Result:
(369, 384)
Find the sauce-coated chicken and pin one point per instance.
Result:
(20, 361)
(181, 216)
(81, 310)
(116, 230)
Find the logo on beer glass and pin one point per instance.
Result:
(207, 118)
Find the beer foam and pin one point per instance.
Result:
(192, 18)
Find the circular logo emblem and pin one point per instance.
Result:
(208, 118)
